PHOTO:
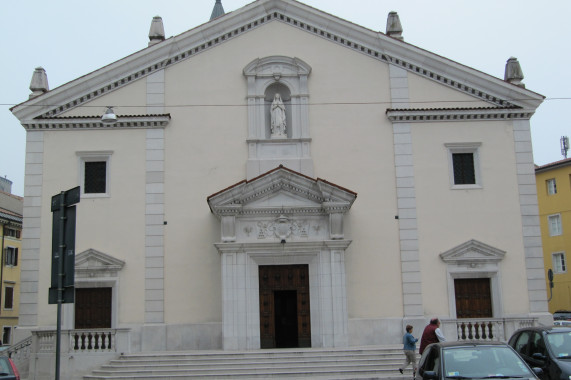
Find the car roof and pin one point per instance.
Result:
(468, 344)
(546, 329)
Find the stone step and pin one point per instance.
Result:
(355, 363)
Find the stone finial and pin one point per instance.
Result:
(218, 10)
(39, 83)
(513, 72)
(394, 27)
(157, 31)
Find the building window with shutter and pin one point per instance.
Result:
(11, 256)
(6, 336)
(8, 298)
(559, 264)
(464, 163)
(551, 186)
(94, 168)
(554, 222)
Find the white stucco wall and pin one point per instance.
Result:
(352, 146)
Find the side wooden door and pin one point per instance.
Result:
(92, 308)
(473, 298)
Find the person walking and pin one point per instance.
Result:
(409, 348)
(431, 334)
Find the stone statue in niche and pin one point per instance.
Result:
(278, 124)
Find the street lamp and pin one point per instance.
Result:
(109, 116)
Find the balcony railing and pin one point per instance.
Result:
(88, 341)
(484, 329)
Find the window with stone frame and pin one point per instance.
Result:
(464, 161)
(94, 173)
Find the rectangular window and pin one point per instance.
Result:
(559, 264)
(12, 233)
(95, 177)
(94, 170)
(11, 256)
(8, 297)
(6, 336)
(464, 161)
(551, 186)
(554, 222)
(463, 164)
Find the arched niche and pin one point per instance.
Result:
(287, 76)
(285, 94)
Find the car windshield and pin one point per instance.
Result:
(483, 362)
(560, 344)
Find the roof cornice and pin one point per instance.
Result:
(457, 114)
(94, 122)
(211, 34)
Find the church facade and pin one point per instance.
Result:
(324, 187)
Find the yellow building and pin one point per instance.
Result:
(554, 196)
(11, 240)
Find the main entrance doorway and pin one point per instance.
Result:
(284, 306)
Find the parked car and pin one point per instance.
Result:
(8, 370)
(546, 347)
(473, 360)
(562, 315)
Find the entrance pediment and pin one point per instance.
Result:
(471, 253)
(281, 189)
(92, 263)
(281, 198)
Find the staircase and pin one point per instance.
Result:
(375, 362)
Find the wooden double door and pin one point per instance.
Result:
(93, 308)
(284, 306)
(473, 298)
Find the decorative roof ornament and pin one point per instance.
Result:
(218, 10)
(513, 73)
(394, 27)
(157, 31)
(39, 83)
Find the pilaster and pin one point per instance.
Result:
(406, 199)
(30, 261)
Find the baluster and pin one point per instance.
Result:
(463, 326)
(470, 334)
(458, 331)
(491, 334)
(83, 341)
(89, 341)
(484, 332)
(96, 339)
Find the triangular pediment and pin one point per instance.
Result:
(280, 190)
(94, 263)
(258, 14)
(282, 198)
(472, 252)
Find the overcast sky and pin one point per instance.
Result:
(70, 38)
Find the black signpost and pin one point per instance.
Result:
(63, 257)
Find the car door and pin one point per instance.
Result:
(430, 361)
(526, 344)
(537, 353)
